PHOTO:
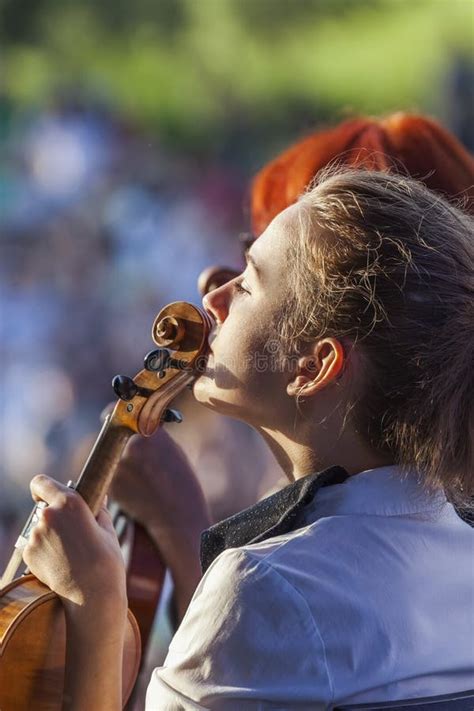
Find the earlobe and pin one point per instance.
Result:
(295, 385)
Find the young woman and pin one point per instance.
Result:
(348, 344)
(411, 144)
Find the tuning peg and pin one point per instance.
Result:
(158, 360)
(124, 387)
(172, 416)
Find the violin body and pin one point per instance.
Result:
(145, 576)
(33, 638)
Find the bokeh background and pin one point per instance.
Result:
(129, 133)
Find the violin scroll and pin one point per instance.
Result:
(182, 327)
(180, 331)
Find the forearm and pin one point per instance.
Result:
(94, 653)
(181, 555)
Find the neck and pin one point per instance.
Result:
(308, 448)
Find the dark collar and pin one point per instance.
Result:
(277, 514)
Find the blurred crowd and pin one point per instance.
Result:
(100, 227)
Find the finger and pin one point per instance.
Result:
(43, 488)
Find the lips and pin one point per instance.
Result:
(211, 338)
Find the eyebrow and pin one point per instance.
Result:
(250, 260)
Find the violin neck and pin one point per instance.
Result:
(99, 469)
(92, 485)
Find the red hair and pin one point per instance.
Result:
(403, 142)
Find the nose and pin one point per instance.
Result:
(216, 302)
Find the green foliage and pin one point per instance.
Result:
(186, 66)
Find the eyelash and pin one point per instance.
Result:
(239, 288)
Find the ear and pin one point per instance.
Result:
(318, 369)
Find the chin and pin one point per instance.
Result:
(207, 393)
(202, 388)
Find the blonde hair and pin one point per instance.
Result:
(386, 266)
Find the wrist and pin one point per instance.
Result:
(99, 618)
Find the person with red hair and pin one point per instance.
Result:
(407, 143)
(411, 144)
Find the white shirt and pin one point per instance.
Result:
(372, 600)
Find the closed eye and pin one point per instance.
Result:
(240, 287)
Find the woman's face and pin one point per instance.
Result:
(243, 376)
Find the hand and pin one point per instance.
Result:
(74, 554)
(155, 485)
(79, 558)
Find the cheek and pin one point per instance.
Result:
(242, 379)
(238, 349)
(240, 368)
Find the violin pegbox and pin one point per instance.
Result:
(160, 359)
(181, 331)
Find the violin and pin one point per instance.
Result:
(32, 624)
